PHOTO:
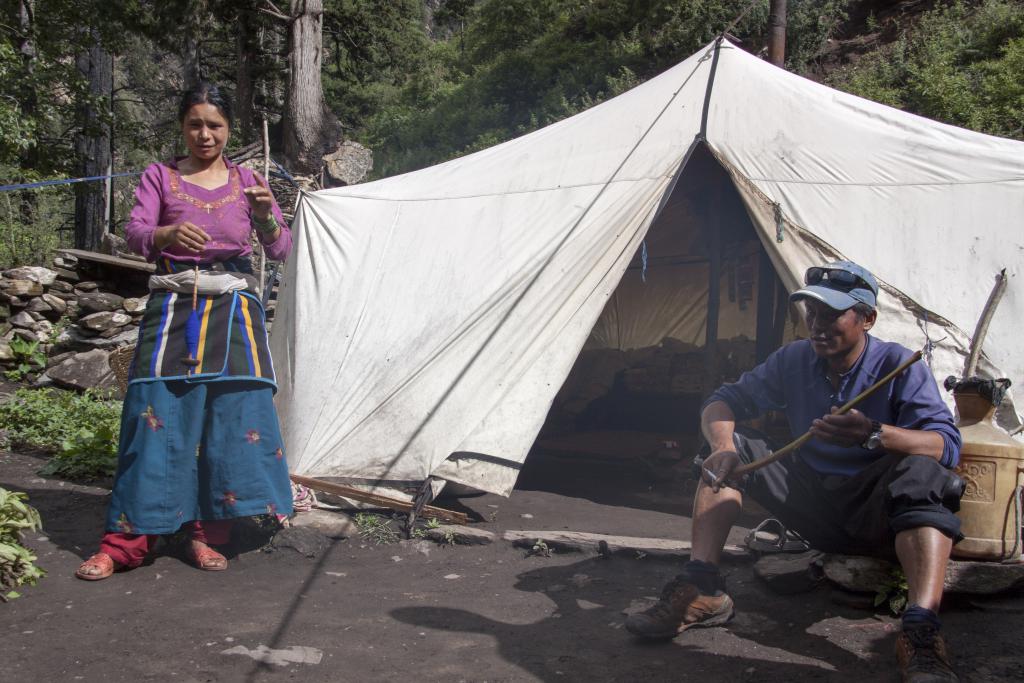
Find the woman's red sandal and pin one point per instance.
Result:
(98, 567)
(207, 559)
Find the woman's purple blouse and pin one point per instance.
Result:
(164, 198)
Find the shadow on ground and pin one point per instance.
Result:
(771, 639)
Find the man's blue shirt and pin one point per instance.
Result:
(794, 379)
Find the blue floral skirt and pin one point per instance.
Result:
(197, 450)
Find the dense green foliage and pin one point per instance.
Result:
(516, 65)
(962, 65)
(421, 82)
(79, 429)
(17, 563)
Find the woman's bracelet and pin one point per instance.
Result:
(267, 227)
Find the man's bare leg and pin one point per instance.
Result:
(713, 517)
(921, 651)
(923, 554)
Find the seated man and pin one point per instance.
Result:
(876, 480)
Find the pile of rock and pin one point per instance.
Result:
(74, 322)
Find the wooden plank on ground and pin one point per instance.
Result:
(108, 260)
(377, 499)
(581, 541)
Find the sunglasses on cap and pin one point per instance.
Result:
(835, 276)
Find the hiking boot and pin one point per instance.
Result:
(681, 607)
(923, 656)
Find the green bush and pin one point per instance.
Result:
(27, 359)
(79, 429)
(963, 64)
(17, 563)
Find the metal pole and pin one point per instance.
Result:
(777, 33)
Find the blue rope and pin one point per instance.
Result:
(287, 176)
(63, 181)
(643, 261)
(69, 181)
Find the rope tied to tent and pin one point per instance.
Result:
(929, 345)
(643, 261)
(64, 181)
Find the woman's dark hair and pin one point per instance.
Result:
(205, 93)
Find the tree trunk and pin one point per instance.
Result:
(244, 92)
(309, 127)
(29, 103)
(197, 21)
(777, 33)
(92, 148)
(191, 59)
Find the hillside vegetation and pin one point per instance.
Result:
(423, 81)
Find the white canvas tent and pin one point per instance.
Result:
(427, 320)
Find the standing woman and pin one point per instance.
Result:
(200, 443)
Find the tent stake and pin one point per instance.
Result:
(376, 499)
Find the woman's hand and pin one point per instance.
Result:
(185, 235)
(261, 201)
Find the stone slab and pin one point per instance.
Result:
(43, 276)
(108, 260)
(330, 524)
(84, 371)
(306, 541)
(21, 288)
(459, 535)
(866, 574)
(581, 541)
(789, 574)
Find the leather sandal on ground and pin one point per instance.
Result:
(98, 567)
(771, 536)
(207, 559)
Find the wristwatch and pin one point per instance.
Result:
(874, 439)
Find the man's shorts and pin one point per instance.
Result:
(859, 514)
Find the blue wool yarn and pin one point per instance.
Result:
(192, 334)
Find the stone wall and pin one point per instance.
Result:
(75, 321)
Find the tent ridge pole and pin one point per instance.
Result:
(703, 135)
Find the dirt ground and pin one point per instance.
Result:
(420, 611)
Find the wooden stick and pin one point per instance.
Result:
(266, 179)
(376, 499)
(983, 322)
(800, 441)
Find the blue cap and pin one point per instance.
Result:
(839, 285)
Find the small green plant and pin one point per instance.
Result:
(28, 359)
(375, 528)
(447, 536)
(539, 549)
(79, 429)
(17, 563)
(89, 454)
(894, 591)
(58, 328)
